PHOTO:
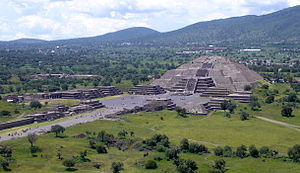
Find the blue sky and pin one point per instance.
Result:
(61, 19)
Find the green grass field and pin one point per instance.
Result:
(273, 110)
(209, 130)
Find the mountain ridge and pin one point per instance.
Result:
(280, 26)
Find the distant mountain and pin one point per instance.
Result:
(128, 34)
(281, 26)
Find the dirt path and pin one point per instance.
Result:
(295, 127)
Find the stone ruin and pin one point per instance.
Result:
(147, 90)
(211, 76)
(55, 112)
(224, 72)
(78, 94)
(152, 106)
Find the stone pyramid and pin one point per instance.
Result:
(225, 73)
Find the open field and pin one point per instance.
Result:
(209, 130)
(273, 110)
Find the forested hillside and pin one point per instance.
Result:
(279, 27)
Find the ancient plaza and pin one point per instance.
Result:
(199, 86)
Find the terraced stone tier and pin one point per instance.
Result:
(225, 73)
(147, 90)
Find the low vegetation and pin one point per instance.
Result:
(144, 143)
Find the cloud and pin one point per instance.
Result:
(61, 19)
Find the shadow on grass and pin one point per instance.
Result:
(7, 169)
(61, 136)
(71, 169)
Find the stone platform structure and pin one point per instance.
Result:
(147, 90)
(55, 112)
(78, 94)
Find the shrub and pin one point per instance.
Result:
(97, 165)
(172, 153)
(35, 104)
(294, 153)
(227, 151)
(270, 99)
(244, 116)
(287, 111)
(4, 164)
(241, 151)
(184, 144)
(227, 115)
(220, 165)
(117, 167)
(247, 88)
(197, 148)
(101, 149)
(34, 149)
(158, 158)
(5, 113)
(292, 97)
(265, 86)
(57, 129)
(69, 163)
(218, 151)
(185, 166)
(253, 151)
(150, 164)
(267, 152)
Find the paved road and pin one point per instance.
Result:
(113, 106)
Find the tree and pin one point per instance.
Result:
(265, 86)
(5, 113)
(253, 151)
(69, 163)
(227, 152)
(224, 105)
(82, 156)
(247, 88)
(172, 153)
(5, 151)
(117, 167)
(184, 144)
(101, 149)
(267, 152)
(254, 102)
(231, 106)
(181, 112)
(32, 138)
(228, 105)
(57, 129)
(4, 164)
(122, 134)
(35, 104)
(287, 111)
(292, 97)
(197, 148)
(150, 164)
(244, 116)
(220, 165)
(64, 87)
(227, 115)
(294, 153)
(270, 99)
(218, 151)
(185, 165)
(241, 151)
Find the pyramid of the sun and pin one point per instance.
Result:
(224, 72)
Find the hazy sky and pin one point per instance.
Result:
(60, 19)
